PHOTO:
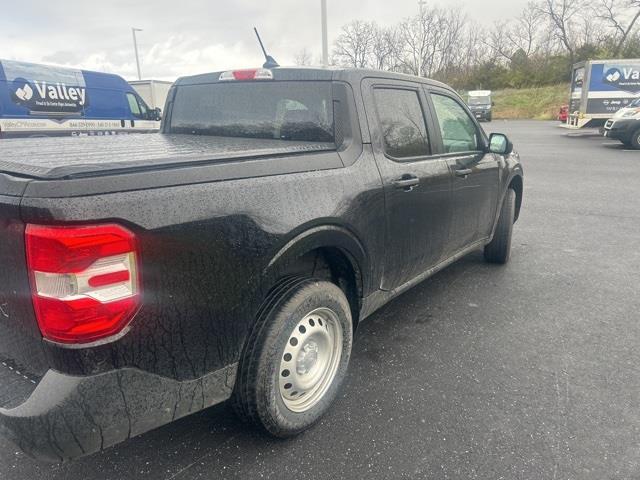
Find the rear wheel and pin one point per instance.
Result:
(635, 140)
(499, 249)
(296, 358)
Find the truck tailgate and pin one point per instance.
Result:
(22, 356)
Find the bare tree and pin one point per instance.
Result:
(474, 51)
(455, 25)
(441, 42)
(429, 41)
(562, 16)
(524, 35)
(615, 14)
(500, 42)
(413, 45)
(303, 57)
(354, 45)
(384, 48)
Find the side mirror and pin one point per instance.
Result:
(500, 144)
(157, 114)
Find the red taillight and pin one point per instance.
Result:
(84, 280)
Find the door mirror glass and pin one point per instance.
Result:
(156, 114)
(500, 144)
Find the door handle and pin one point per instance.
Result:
(463, 172)
(407, 182)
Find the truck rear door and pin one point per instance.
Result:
(417, 184)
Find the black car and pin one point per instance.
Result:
(233, 255)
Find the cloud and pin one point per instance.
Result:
(190, 36)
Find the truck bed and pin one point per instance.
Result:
(75, 157)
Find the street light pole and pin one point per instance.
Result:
(135, 47)
(325, 44)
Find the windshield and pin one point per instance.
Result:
(479, 100)
(297, 111)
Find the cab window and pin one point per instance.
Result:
(144, 111)
(287, 110)
(133, 105)
(459, 132)
(402, 123)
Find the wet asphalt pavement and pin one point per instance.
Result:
(529, 371)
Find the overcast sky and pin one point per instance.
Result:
(183, 37)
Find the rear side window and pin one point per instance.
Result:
(402, 122)
(295, 111)
(459, 132)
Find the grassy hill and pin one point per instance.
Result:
(540, 103)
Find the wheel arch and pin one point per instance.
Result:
(516, 184)
(331, 252)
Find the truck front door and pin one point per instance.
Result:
(475, 172)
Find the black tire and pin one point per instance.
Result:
(489, 118)
(499, 249)
(257, 395)
(634, 142)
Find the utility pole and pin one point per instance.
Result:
(135, 47)
(325, 44)
(421, 5)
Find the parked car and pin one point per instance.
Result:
(45, 101)
(232, 256)
(563, 113)
(625, 125)
(481, 104)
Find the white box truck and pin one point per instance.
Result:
(599, 88)
(153, 92)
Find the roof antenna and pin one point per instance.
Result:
(270, 61)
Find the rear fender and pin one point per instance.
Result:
(324, 236)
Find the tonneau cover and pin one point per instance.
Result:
(73, 157)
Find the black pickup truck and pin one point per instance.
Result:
(233, 255)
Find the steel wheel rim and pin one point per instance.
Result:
(310, 360)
